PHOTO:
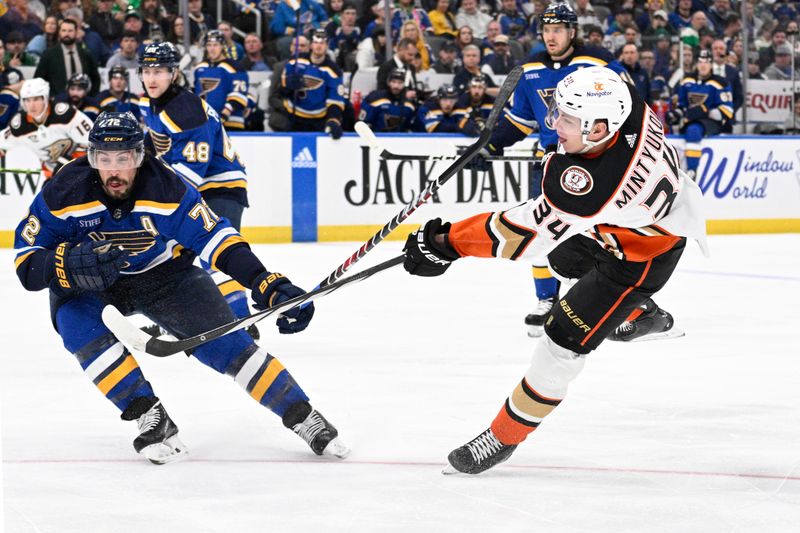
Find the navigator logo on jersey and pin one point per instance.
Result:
(304, 159)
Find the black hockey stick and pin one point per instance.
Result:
(369, 137)
(130, 335)
(506, 90)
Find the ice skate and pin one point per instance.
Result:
(653, 324)
(478, 455)
(535, 320)
(319, 434)
(158, 435)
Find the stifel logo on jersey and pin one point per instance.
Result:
(576, 180)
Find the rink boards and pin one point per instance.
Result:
(307, 188)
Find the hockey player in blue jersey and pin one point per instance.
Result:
(116, 97)
(704, 105)
(187, 133)
(77, 94)
(312, 90)
(476, 105)
(220, 83)
(119, 227)
(9, 105)
(439, 114)
(388, 110)
(564, 53)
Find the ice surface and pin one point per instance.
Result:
(693, 434)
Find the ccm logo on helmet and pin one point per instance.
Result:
(112, 139)
(577, 181)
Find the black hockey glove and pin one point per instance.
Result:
(334, 129)
(294, 81)
(271, 289)
(696, 113)
(424, 257)
(91, 266)
(674, 117)
(480, 161)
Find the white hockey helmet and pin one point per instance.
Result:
(33, 88)
(592, 94)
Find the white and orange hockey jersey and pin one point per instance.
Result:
(632, 198)
(63, 135)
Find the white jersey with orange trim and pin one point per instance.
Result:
(62, 136)
(632, 198)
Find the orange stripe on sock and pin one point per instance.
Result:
(507, 430)
(636, 313)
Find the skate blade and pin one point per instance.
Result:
(170, 451)
(673, 333)
(535, 331)
(336, 448)
(449, 470)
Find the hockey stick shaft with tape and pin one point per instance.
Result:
(133, 337)
(503, 96)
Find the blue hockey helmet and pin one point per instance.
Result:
(118, 71)
(116, 132)
(558, 13)
(163, 54)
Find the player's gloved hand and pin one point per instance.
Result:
(674, 117)
(481, 162)
(472, 129)
(697, 112)
(334, 129)
(294, 81)
(271, 289)
(91, 266)
(426, 257)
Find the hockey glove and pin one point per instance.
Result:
(91, 266)
(294, 81)
(481, 162)
(271, 289)
(696, 113)
(424, 256)
(334, 129)
(674, 117)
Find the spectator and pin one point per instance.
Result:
(117, 98)
(659, 27)
(730, 74)
(127, 55)
(465, 38)
(403, 59)
(439, 114)
(586, 14)
(629, 57)
(476, 106)
(90, 39)
(133, 22)
(46, 39)
(253, 58)
(594, 36)
(371, 50)
(233, 50)
(279, 119)
(753, 69)
(500, 61)
(104, 22)
(781, 67)
(443, 22)
(201, 23)
(470, 15)
(679, 73)
(622, 19)
(783, 11)
(764, 39)
(682, 16)
(631, 36)
(411, 31)
(21, 18)
(16, 56)
(333, 9)
(344, 37)
(388, 110)
(77, 94)
(752, 23)
(472, 67)
(312, 16)
(9, 76)
(767, 56)
(493, 29)
(718, 14)
(699, 22)
(514, 24)
(446, 63)
(378, 10)
(406, 11)
(644, 20)
(732, 30)
(66, 59)
(155, 25)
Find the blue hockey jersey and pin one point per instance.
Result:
(188, 135)
(433, 119)
(698, 98)
(384, 112)
(322, 96)
(9, 105)
(225, 89)
(163, 219)
(129, 103)
(535, 89)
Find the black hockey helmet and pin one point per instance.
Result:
(319, 36)
(163, 54)
(397, 74)
(447, 91)
(80, 80)
(479, 80)
(116, 71)
(558, 13)
(214, 36)
(113, 132)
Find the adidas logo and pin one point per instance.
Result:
(631, 139)
(304, 159)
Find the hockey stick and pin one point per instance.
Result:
(506, 90)
(19, 171)
(130, 335)
(369, 137)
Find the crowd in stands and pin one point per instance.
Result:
(304, 47)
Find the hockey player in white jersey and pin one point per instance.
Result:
(55, 133)
(614, 215)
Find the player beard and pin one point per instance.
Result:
(117, 187)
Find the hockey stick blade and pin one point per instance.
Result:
(371, 140)
(131, 336)
(469, 154)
